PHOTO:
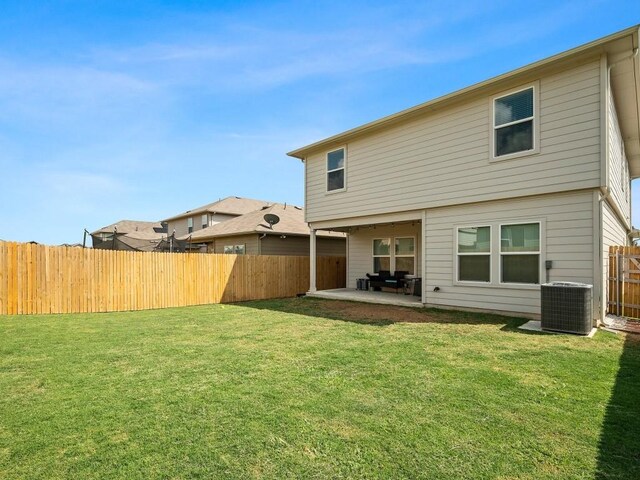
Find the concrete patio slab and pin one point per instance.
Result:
(383, 298)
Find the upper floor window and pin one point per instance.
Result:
(335, 170)
(204, 221)
(514, 123)
(190, 224)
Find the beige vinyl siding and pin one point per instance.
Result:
(566, 239)
(443, 157)
(250, 242)
(618, 183)
(219, 217)
(181, 225)
(274, 245)
(613, 233)
(360, 257)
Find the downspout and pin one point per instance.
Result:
(260, 237)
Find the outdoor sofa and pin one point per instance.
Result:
(385, 279)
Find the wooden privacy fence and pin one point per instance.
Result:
(624, 282)
(42, 279)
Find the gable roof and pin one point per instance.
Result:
(291, 223)
(131, 226)
(228, 205)
(621, 49)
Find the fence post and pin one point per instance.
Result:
(618, 268)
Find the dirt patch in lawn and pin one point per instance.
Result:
(368, 312)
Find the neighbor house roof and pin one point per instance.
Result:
(131, 226)
(228, 205)
(621, 50)
(291, 223)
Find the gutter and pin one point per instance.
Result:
(605, 189)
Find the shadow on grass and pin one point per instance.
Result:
(619, 449)
(379, 315)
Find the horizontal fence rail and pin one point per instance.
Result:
(38, 279)
(624, 282)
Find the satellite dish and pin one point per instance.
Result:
(271, 219)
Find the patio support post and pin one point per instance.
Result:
(312, 260)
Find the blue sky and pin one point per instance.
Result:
(140, 110)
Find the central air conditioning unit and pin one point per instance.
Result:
(567, 307)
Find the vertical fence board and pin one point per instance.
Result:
(43, 279)
(623, 292)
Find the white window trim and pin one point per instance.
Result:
(204, 220)
(496, 264)
(374, 256)
(541, 271)
(327, 171)
(415, 256)
(536, 123)
(457, 255)
(190, 225)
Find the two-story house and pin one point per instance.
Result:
(211, 214)
(492, 190)
(252, 234)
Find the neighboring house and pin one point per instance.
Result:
(202, 217)
(492, 190)
(251, 234)
(129, 235)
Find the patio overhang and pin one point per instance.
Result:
(345, 224)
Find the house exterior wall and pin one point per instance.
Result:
(618, 167)
(360, 255)
(181, 225)
(566, 236)
(274, 245)
(250, 242)
(443, 157)
(219, 217)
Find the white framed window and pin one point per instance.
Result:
(405, 254)
(336, 170)
(520, 253)
(190, 225)
(515, 123)
(381, 254)
(234, 249)
(473, 246)
(204, 221)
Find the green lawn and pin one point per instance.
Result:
(304, 388)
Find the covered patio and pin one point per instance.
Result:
(353, 295)
(376, 245)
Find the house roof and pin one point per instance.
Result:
(228, 205)
(291, 223)
(625, 80)
(131, 226)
